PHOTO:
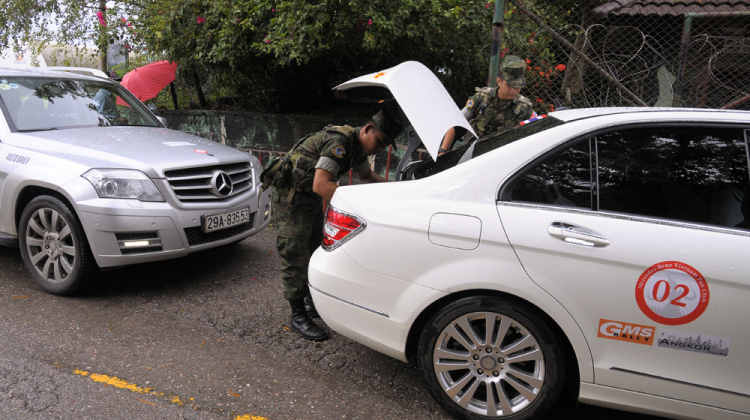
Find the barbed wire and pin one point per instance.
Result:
(648, 56)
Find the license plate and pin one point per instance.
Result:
(219, 221)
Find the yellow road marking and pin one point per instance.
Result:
(122, 384)
(119, 383)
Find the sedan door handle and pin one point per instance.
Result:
(577, 235)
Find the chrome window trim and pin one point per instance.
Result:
(626, 217)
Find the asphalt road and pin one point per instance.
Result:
(202, 337)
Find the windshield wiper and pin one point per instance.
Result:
(28, 130)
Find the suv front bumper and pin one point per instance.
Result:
(158, 230)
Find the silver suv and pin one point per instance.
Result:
(89, 177)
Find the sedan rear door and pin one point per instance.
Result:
(641, 233)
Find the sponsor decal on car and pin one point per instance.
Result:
(672, 293)
(178, 143)
(625, 331)
(698, 343)
(17, 158)
(379, 74)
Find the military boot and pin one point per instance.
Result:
(310, 307)
(303, 324)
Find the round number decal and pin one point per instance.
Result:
(672, 293)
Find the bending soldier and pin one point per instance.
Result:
(307, 175)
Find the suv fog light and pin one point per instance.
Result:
(130, 244)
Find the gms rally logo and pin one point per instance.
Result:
(623, 331)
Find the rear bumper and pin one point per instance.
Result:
(375, 310)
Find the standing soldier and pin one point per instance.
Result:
(499, 108)
(301, 181)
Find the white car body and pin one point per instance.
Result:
(456, 234)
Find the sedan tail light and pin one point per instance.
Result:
(340, 226)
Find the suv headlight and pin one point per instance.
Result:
(123, 183)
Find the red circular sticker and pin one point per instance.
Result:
(200, 151)
(672, 293)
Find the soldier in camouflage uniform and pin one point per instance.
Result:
(499, 108)
(308, 175)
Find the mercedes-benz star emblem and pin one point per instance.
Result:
(221, 184)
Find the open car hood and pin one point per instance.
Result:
(421, 96)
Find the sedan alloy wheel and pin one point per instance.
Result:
(481, 357)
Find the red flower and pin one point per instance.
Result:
(528, 61)
(201, 20)
(560, 67)
(100, 15)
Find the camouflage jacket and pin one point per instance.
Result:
(335, 149)
(492, 113)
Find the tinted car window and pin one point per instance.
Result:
(563, 180)
(485, 144)
(691, 174)
(694, 174)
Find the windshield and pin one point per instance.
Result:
(485, 144)
(37, 103)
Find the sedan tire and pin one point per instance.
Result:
(54, 246)
(486, 357)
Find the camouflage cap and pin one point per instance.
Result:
(513, 68)
(388, 125)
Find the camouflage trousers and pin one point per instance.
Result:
(299, 225)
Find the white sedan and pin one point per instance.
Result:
(598, 252)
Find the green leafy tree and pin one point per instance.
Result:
(287, 55)
(35, 24)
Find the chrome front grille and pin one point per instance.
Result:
(207, 183)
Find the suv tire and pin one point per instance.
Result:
(54, 246)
